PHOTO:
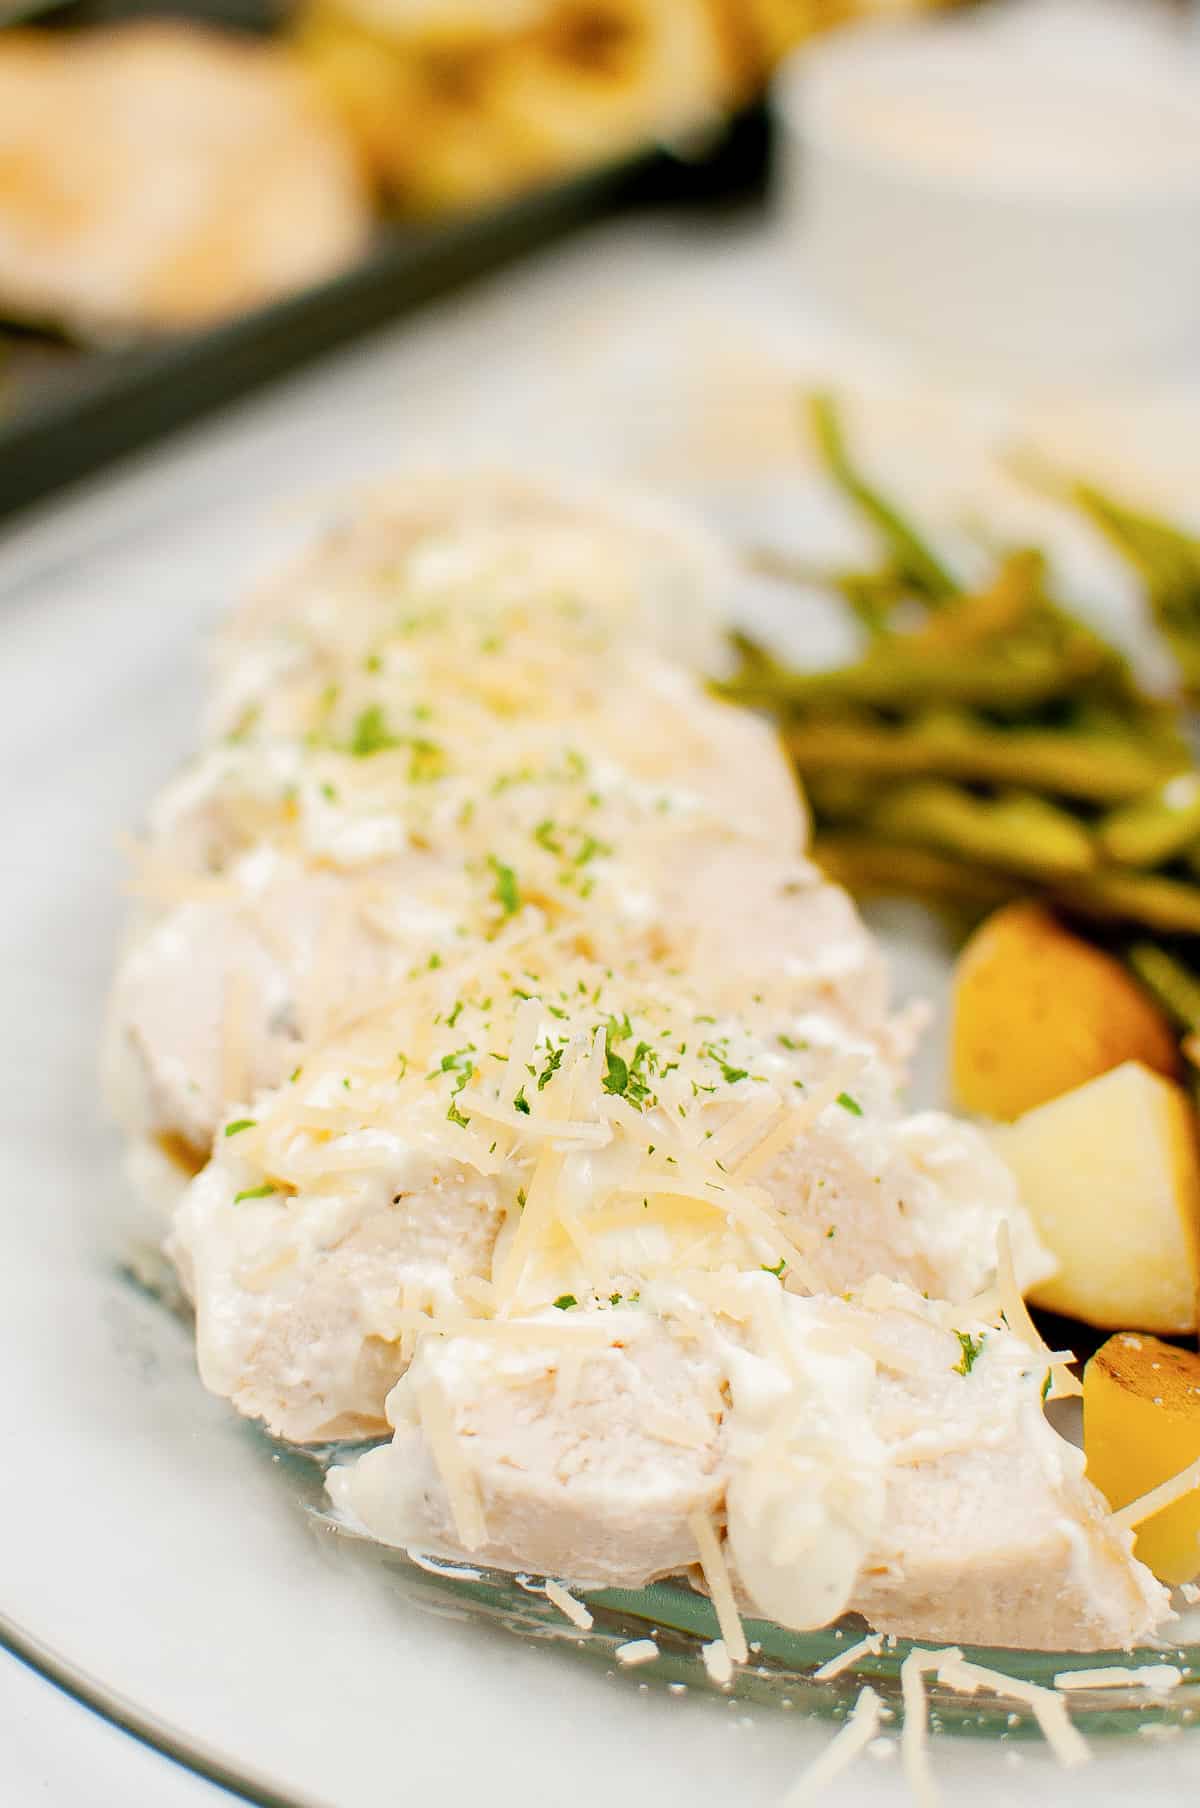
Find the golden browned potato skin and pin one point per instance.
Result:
(1038, 1011)
(1141, 1426)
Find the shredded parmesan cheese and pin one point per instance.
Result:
(566, 1603)
(914, 1735)
(1165, 1495)
(718, 1662)
(460, 1483)
(1160, 1679)
(1063, 1384)
(1049, 1709)
(846, 1660)
(860, 1729)
(716, 1576)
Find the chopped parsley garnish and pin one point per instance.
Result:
(778, 1269)
(521, 1103)
(455, 1014)
(589, 847)
(971, 1350)
(553, 1063)
(329, 792)
(295, 1075)
(616, 1074)
(505, 890)
(565, 1301)
(849, 1104)
(371, 734)
(628, 1078)
(455, 1115)
(1047, 1384)
(239, 1124)
(254, 1192)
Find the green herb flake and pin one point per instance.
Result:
(254, 1192)
(371, 734)
(239, 1124)
(565, 1301)
(972, 1348)
(778, 1269)
(505, 891)
(521, 1103)
(849, 1104)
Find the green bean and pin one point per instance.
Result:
(872, 596)
(1170, 906)
(1008, 681)
(1175, 986)
(905, 548)
(1018, 832)
(869, 867)
(1003, 608)
(1156, 829)
(1168, 562)
(1099, 767)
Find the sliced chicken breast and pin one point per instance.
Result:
(879, 1460)
(648, 1135)
(572, 1449)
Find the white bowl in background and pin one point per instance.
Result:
(1001, 202)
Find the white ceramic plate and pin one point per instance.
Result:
(147, 1537)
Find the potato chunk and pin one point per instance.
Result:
(1110, 1175)
(1141, 1426)
(1038, 1011)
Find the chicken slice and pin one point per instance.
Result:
(216, 998)
(631, 1120)
(992, 1534)
(292, 1305)
(866, 1459)
(524, 574)
(576, 1450)
(213, 1001)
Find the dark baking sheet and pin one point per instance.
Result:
(66, 411)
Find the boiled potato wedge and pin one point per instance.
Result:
(1111, 1175)
(1038, 1011)
(1141, 1426)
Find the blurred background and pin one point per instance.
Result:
(197, 194)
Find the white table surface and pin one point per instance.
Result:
(658, 350)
